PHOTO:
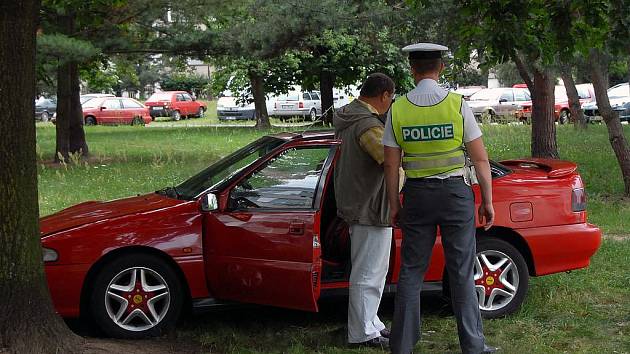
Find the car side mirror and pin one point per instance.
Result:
(209, 202)
(103, 108)
(502, 100)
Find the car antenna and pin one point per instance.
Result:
(315, 121)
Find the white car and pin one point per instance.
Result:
(305, 104)
(619, 98)
(240, 106)
(502, 101)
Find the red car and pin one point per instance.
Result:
(114, 110)
(175, 104)
(586, 93)
(260, 226)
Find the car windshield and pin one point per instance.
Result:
(486, 95)
(619, 91)
(215, 174)
(560, 93)
(160, 97)
(91, 103)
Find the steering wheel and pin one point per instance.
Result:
(243, 202)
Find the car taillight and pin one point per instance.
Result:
(578, 199)
(301, 105)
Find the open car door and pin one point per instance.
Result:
(265, 247)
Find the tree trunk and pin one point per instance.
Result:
(28, 323)
(599, 75)
(260, 104)
(326, 84)
(543, 120)
(70, 133)
(577, 115)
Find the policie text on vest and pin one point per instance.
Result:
(428, 132)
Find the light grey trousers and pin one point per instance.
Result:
(369, 252)
(449, 204)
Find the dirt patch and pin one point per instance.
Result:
(619, 237)
(145, 346)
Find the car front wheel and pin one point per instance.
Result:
(564, 117)
(501, 277)
(45, 116)
(136, 296)
(176, 115)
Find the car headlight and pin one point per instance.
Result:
(50, 255)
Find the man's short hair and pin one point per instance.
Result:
(376, 84)
(425, 66)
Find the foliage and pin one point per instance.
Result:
(184, 81)
(507, 74)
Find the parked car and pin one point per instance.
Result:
(175, 104)
(45, 108)
(493, 102)
(260, 226)
(240, 106)
(562, 114)
(305, 104)
(115, 110)
(89, 96)
(619, 98)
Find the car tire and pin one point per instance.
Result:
(90, 120)
(136, 296)
(45, 116)
(564, 116)
(175, 115)
(494, 249)
(137, 121)
(312, 115)
(200, 112)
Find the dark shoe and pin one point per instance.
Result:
(385, 333)
(488, 349)
(378, 342)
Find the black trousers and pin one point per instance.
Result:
(449, 204)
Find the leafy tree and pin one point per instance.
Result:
(184, 81)
(28, 323)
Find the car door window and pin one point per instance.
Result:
(521, 95)
(306, 96)
(507, 96)
(187, 97)
(111, 104)
(131, 104)
(179, 97)
(288, 181)
(314, 96)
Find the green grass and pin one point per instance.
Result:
(587, 311)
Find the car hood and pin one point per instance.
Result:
(94, 211)
(614, 102)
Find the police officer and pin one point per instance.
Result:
(429, 128)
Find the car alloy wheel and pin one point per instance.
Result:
(313, 115)
(136, 296)
(564, 117)
(45, 116)
(90, 120)
(137, 121)
(176, 115)
(501, 277)
(201, 112)
(137, 299)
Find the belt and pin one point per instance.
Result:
(449, 179)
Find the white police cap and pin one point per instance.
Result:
(425, 50)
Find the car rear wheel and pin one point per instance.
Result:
(89, 120)
(176, 115)
(136, 296)
(501, 277)
(200, 112)
(137, 121)
(564, 117)
(312, 115)
(45, 116)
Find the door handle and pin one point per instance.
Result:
(296, 228)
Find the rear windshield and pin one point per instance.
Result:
(160, 97)
(486, 95)
(291, 96)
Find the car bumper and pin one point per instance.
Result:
(160, 112)
(65, 283)
(291, 113)
(242, 114)
(562, 248)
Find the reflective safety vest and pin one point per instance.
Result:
(430, 136)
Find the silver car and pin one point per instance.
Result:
(299, 103)
(502, 101)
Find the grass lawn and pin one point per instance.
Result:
(587, 311)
